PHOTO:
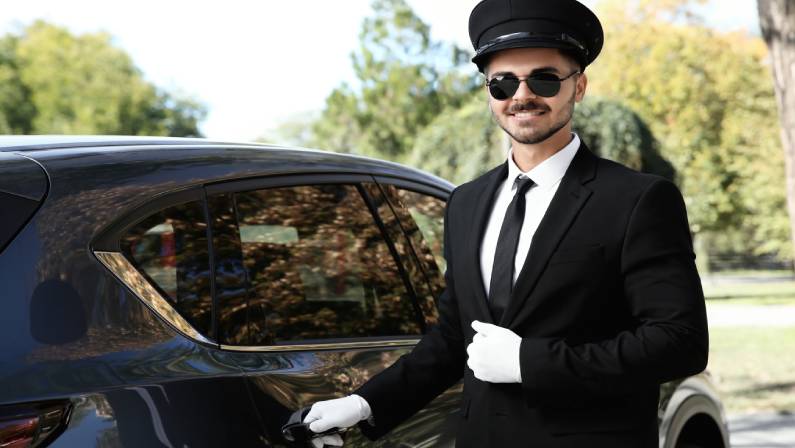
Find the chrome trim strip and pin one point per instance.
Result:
(326, 346)
(132, 279)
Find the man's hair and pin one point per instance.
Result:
(575, 57)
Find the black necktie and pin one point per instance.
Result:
(502, 271)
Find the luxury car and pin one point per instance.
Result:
(186, 293)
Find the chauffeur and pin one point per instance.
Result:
(572, 292)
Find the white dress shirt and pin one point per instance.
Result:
(547, 176)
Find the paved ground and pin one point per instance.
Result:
(720, 315)
(762, 431)
(718, 279)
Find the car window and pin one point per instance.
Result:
(15, 211)
(315, 266)
(388, 213)
(170, 249)
(422, 218)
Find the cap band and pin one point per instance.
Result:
(540, 37)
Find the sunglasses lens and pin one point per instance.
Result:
(502, 89)
(545, 86)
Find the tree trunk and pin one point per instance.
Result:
(777, 20)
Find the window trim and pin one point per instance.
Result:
(413, 185)
(211, 267)
(335, 344)
(284, 180)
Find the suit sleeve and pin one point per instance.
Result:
(435, 363)
(663, 293)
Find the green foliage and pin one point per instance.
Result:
(754, 366)
(55, 82)
(708, 99)
(404, 81)
(16, 110)
(615, 132)
(292, 130)
(461, 144)
(339, 128)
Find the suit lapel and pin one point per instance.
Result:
(570, 197)
(483, 203)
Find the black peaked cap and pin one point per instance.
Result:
(496, 25)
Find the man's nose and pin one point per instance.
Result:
(523, 92)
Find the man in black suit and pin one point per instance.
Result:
(572, 292)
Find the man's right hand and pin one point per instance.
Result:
(338, 413)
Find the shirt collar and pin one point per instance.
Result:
(551, 170)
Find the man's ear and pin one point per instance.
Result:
(582, 85)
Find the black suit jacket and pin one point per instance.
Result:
(608, 304)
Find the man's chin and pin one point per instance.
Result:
(528, 138)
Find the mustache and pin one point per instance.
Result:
(527, 107)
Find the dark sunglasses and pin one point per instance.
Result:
(545, 85)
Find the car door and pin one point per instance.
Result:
(317, 290)
(181, 389)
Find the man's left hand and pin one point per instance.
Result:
(494, 354)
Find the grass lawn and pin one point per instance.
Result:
(754, 368)
(751, 293)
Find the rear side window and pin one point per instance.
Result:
(170, 248)
(14, 213)
(23, 185)
(314, 266)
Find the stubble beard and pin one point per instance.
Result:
(533, 137)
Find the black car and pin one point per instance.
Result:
(184, 293)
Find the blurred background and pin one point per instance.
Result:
(683, 88)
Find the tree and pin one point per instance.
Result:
(16, 110)
(777, 21)
(461, 143)
(53, 81)
(404, 81)
(615, 132)
(292, 130)
(707, 98)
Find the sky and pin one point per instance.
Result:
(256, 63)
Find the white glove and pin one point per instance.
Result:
(338, 413)
(494, 354)
(332, 440)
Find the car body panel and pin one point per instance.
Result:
(21, 176)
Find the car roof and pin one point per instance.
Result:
(48, 148)
(45, 142)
